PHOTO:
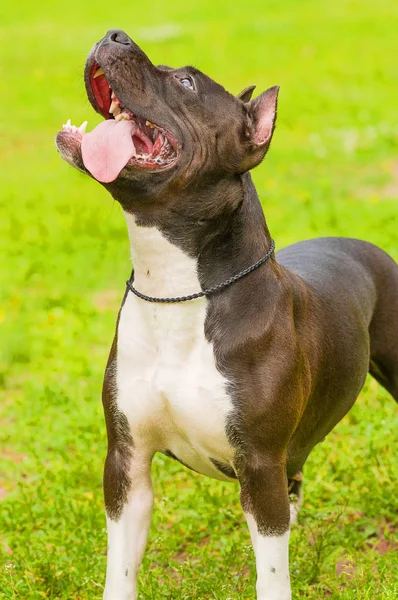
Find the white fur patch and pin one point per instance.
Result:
(272, 563)
(127, 537)
(167, 382)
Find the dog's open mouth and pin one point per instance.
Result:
(123, 138)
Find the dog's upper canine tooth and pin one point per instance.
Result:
(82, 128)
(113, 95)
(151, 125)
(99, 71)
(113, 106)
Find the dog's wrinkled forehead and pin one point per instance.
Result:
(202, 87)
(194, 79)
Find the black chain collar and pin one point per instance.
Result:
(209, 291)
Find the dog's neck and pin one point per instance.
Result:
(237, 240)
(161, 268)
(182, 254)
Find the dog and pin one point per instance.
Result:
(232, 360)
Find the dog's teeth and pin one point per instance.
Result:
(82, 128)
(113, 95)
(120, 116)
(98, 72)
(67, 126)
(151, 125)
(112, 107)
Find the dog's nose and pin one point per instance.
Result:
(117, 36)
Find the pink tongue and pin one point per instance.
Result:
(108, 148)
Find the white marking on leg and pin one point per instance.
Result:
(127, 538)
(272, 563)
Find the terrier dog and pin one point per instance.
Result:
(227, 358)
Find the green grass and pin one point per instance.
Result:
(333, 169)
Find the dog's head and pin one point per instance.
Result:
(164, 128)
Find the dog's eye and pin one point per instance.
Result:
(187, 82)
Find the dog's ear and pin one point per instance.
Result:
(259, 127)
(247, 93)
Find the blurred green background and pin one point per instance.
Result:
(332, 169)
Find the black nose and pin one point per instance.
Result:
(117, 36)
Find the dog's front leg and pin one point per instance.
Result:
(129, 504)
(265, 502)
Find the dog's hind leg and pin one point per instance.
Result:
(384, 351)
(386, 374)
(383, 331)
(295, 489)
(265, 502)
(128, 524)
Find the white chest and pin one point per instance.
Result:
(167, 382)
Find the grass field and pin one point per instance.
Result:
(333, 169)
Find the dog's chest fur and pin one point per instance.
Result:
(167, 382)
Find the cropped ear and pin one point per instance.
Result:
(260, 124)
(247, 93)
